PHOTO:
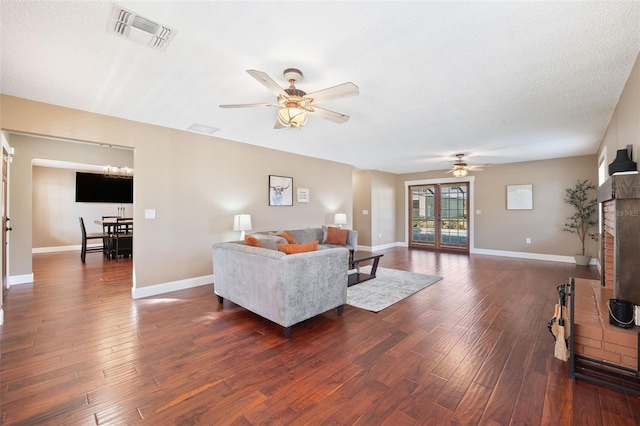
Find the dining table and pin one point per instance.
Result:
(109, 225)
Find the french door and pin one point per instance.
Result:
(439, 216)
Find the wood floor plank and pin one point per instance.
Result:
(505, 393)
(471, 349)
(528, 409)
(472, 405)
(458, 385)
(386, 405)
(415, 405)
(587, 409)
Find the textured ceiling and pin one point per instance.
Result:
(499, 81)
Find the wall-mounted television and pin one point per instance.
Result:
(99, 188)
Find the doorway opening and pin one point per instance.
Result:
(439, 216)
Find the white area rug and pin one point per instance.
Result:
(388, 287)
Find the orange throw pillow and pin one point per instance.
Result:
(252, 241)
(337, 236)
(298, 248)
(287, 236)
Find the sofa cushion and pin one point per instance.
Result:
(352, 238)
(269, 241)
(336, 236)
(252, 241)
(287, 236)
(306, 235)
(298, 248)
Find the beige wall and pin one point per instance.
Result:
(361, 203)
(195, 183)
(497, 228)
(375, 192)
(624, 127)
(383, 207)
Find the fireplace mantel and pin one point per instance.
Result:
(620, 250)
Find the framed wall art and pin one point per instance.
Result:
(520, 197)
(303, 195)
(280, 190)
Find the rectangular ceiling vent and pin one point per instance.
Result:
(141, 29)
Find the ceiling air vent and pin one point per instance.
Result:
(139, 28)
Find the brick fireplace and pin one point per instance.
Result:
(602, 352)
(620, 245)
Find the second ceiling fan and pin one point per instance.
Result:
(461, 168)
(296, 105)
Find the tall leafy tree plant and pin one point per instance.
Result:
(584, 219)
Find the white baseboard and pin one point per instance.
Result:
(526, 255)
(489, 252)
(154, 290)
(20, 279)
(381, 247)
(60, 248)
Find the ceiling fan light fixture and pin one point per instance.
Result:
(460, 172)
(292, 117)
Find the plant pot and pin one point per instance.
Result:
(582, 260)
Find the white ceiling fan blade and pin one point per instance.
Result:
(339, 91)
(336, 117)
(268, 82)
(248, 105)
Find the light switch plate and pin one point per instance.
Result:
(150, 214)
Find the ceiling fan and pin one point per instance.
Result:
(296, 105)
(461, 168)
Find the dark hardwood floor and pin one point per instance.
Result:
(471, 349)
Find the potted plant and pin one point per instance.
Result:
(583, 220)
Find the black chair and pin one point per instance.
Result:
(90, 237)
(108, 223)
(121, 239)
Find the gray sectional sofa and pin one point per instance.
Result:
(285, 289)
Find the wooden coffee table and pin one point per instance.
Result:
(357, 257)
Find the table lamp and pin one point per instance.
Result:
(340, 219)
(242, 222)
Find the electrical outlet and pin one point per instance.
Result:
(528, 240)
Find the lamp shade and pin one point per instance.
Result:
(242, 222)
(340, 219)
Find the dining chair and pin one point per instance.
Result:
(121, 240)
(107, 223)
(86, 237)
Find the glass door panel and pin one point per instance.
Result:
(438, 216)
(453, 213)
(423, 214)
